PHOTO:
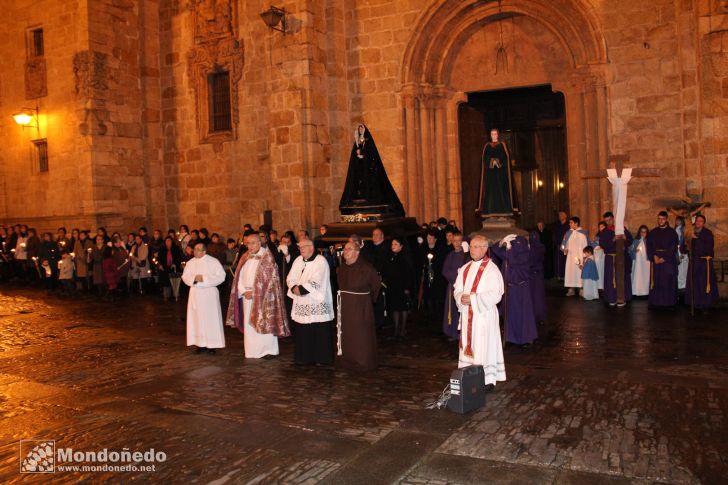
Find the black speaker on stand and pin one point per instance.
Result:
(467, 389)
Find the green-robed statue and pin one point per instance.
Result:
(496, 198)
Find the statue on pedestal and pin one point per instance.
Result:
(367, 191)
(496, 197)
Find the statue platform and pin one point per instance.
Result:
(495, 228)
(339, 232)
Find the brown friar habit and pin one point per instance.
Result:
(358, 334)
(268, 313)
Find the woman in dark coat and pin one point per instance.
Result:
(96, 256)
(169, 261)
(398, 274)
(49, 252)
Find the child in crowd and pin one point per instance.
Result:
(65, 271)
(589, 275)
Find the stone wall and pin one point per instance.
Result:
(65, 193)
(126, 98)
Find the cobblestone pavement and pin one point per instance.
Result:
(606, 396)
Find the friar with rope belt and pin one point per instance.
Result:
(359, 286)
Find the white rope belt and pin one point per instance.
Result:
(338, 316)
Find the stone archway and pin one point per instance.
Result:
(435, 82)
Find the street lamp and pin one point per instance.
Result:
(273, 16)
(26, 117)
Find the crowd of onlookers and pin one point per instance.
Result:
(113, 265)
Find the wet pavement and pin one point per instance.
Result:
(607, 395)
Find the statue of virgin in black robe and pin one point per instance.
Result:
(367, 187)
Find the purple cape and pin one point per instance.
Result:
(520, 319)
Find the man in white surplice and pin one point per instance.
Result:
(575, 240)
(309, 286)
(477, 290)
(204, 317)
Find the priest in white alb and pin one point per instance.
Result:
(203, 274)
(256, 305)
(309, 286)
(477, 291)
(575, 240)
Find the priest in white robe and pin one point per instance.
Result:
(309, 286)
(203, 274)
(575, 240)
(477, 291)
(256, 305)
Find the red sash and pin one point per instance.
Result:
(469, 345)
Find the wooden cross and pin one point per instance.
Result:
(618, 162)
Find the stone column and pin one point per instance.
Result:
(414, 188)
(429, 195)
(443, 208)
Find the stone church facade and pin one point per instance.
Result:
(129, 94)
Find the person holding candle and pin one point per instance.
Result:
(65, 272)
(121, 259)
(50, 252)
(640, 264)
(82, 248)
(140, 268)
(27, 248)
(432, 284)
(572, 246)
(589, 275)
(62, 240)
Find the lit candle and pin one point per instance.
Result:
(73, 255)
(430, 256)
(22, 245)
(90, 249)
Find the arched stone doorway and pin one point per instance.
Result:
(532, 123)
(454, 52)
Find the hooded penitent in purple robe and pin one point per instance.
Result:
(451, 314)
(662, 242)
(608, 243)
(536, 281)
(520, 320)
(701, 271)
